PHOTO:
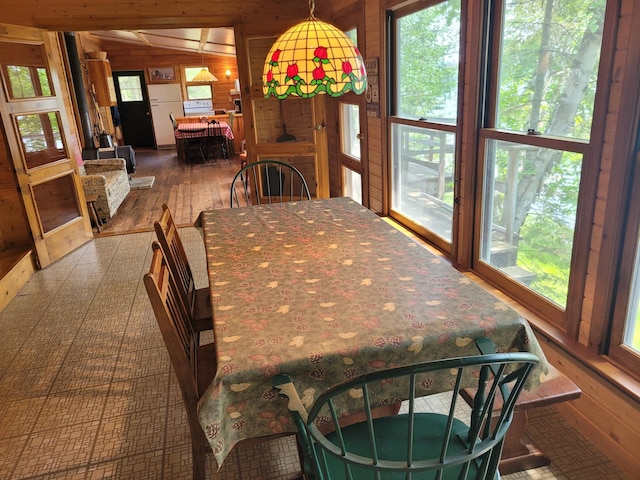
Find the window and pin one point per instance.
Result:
(130, 88)
(522, 156)
(197, 90)
(350, 131)
(29, 78)
(624, 345)
(350, 151)
(536, 143)
(426, 46)
(352, 125)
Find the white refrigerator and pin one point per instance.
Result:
(165, 99)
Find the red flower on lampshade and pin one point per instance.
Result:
(269, 76)
(320, 55)
(292, 70)
(275, 57)
(347, 68)
(318, 73)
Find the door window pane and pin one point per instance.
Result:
(56, 202)
(422, 176)
(427, 55)
(352, 184)
(548, 66)
(350, 130)
(529, 214)
(130, 88)
(27, 77)
(41, 138)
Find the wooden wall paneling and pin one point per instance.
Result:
(333, 140)
(124, 56)
(606, 416)
(615, 170)
(14, 229)
(376, 141)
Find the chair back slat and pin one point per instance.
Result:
(175, 323)
(174, 252)
(268, 181)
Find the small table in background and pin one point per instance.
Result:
(93, 212)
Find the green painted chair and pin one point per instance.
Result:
(418, 444)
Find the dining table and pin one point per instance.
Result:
(186, 130)
(324, 290)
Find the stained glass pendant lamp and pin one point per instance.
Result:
(310, 58)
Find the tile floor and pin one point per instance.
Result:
(87, 392)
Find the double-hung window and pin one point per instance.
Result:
(535, 146)
(197, 90)
(523, 146)
(425, 46)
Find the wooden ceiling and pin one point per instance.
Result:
(211, 41)
(97, 15)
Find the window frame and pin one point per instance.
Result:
(481, 28)
(393, 11)
(567, 319)
(188, 84)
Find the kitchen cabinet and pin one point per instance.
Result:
(102, 80)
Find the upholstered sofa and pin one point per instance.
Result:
(108, 180)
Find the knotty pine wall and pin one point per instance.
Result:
(124, 56)
(14, 230)
(608, 412)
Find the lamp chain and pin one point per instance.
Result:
(312, 7)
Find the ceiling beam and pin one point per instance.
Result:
(142, 37)
(204, 36)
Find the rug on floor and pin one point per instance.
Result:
(141, 182)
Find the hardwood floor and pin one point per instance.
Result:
(186, 188)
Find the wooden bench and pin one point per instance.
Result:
(516, 455)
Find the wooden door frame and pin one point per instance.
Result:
(50, 245)
(345, 21)
(318, 148)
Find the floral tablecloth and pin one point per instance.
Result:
(323, 291)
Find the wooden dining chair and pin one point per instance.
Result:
(422, 443)
(218, 146)
(172, 117)
(197, 300)
(268, 181)
(193, 364)
(196, 141)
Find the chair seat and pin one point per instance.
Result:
(392, 446)
(202, 312)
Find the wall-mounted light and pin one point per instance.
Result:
(227, 74)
